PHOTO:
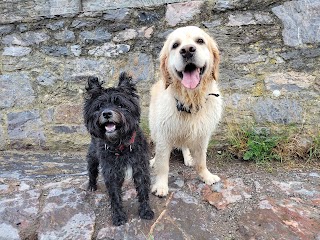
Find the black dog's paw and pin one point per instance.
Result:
(92, 187)
(119, 218)
(145, 212)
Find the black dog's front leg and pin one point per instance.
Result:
(93, 169)
(114, 180)
(141, 179)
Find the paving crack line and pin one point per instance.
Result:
(160, 216)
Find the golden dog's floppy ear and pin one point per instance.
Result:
(216, 58)
(164, 66)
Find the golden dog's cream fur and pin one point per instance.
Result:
(171, 128)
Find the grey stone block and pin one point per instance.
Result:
(301, 20)
(281, 111)
(56, 25)
(109, 50)
(16, 90)
(99, 35)
(27, 124)
(5, 29)
(55, 51)
(25, 39)
(16, 51)
(116, 14)
(65, 36)
(46, 79)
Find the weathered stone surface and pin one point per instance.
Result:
(81, 23)
(56, 51)
(182, 12)
(46, 78)
(80, 68)
(109, 50)
(99, 5)
(300, 20)
(98, 35)
(56, 25)
(226, 192)
(140, 67)
(68, 114)
(70, 129)
(67, 48)
(249, 58)
(248, 18)
(65, 36)
(116, 14)
(76, 50)
(43, 196)
(5, 29)
(283, 111)
(18, 214)
(12, 64)
(148, 17)
(67, 209)
(25, 39)
(16, 89)
(223, 5)
(289, 82)
(25, 125)
(16, 51)
(125, 35)
(212, 24)
(2, 139)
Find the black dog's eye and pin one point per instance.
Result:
(118, 103)
(175, 45)
(200, 41)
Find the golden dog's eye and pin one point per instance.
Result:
(200, 41)
(175, 45)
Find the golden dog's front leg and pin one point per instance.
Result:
(188, 161)
(201, 166)
(161, 168)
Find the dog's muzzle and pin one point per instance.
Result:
(109, 120)
(191, 75)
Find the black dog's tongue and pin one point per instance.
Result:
(110, 127)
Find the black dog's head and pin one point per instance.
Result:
(112, 114)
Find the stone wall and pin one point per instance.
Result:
(269, 70)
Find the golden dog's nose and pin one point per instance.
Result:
(187, 51)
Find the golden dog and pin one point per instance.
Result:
(186, 105)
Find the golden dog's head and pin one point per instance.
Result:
(190, 56)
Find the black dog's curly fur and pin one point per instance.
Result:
(112, 118)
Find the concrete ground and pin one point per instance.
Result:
(43, 196)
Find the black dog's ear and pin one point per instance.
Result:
(93, 83)
(125, 80)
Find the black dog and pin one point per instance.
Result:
(112, 118)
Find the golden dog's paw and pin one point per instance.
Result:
(160, 189)
(209, 178)
(188, 160)
(152, 161)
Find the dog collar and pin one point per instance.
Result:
(118, 150)
(182, 108)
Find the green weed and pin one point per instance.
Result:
(252, 144)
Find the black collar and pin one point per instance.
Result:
(121, 148)
(182, 108)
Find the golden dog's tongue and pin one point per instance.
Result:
(191, 79)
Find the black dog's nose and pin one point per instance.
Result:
(187, 51)
(107, 114)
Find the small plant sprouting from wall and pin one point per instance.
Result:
(252, 144)
(261, 146)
